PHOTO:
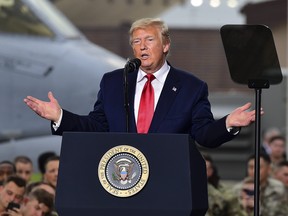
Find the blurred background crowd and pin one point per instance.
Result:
(35, 191)
(32, 193)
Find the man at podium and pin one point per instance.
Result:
(162, 99)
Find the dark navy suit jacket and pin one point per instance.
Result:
(183, 107)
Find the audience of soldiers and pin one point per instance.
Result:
(273, 182)
(20, 195)
(37, 197)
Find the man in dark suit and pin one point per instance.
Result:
(180, 99)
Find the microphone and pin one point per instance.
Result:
(132, 65)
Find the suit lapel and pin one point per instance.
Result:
(170, 90)
(132, 87)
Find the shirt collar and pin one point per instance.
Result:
(160, 75)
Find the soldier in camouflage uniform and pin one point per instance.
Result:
(216, 202)
(247, 196)
(281, 174)
(221, 200)
(221, 204)
(273, 200)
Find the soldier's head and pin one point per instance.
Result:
(7, 169)
(24, 167)
(51, 170)
(264, 168)
(12, 190)
(37, 202)
(211, 171)
(281, 172)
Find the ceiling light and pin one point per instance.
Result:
(215, 3)
(196, 3)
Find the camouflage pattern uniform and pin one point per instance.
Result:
(273, 200)
(216, 202)
(222, 203)
(233, 207)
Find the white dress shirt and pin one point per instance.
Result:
(157, 83)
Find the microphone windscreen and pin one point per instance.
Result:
(133, 64)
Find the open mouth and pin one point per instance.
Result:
(144, 56)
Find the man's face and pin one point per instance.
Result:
(10, 192)
(264, 170)
(148, 46)
(51, 173)
(24, 170)
(5, 171)
(282, 175)
(277, 147)
(34, 208)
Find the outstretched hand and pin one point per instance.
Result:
(241, 117)
(50, 110)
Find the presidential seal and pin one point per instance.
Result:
(123, 171)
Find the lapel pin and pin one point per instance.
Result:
(174, 89)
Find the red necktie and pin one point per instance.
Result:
(146, 107)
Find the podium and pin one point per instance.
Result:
(175, 181)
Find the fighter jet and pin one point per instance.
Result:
(41, 51)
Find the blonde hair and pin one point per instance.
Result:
(146, 22)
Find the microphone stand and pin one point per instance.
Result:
(258, 85)
(126, 102)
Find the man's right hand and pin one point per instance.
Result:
(49, 110)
